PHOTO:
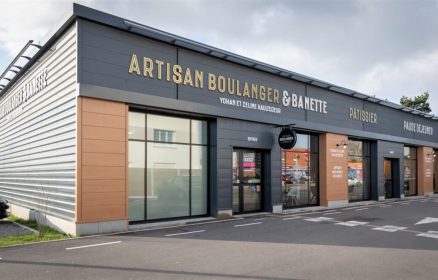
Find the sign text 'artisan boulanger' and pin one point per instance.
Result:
(174, 73)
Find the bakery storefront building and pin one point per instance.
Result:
(112, 124)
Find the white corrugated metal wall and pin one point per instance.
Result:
(38, 145)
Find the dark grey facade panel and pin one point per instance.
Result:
(106, 65)
(213, 111)
(338, 106)
(228, 139)
(430, 123)
(106, 54)
(390, 150)
(239, 73)
(390, 122)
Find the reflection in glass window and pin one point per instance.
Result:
(199, 132)
(136, 126)
(175, 183)
(300, 172)
(358, 170)
(136, 176)
(161, 135)
(410, 171)
(179, 127)
(168, 181)
(199, 181)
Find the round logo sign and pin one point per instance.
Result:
(287, 138)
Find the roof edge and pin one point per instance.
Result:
(81, 11)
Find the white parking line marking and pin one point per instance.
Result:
(292, 218)
(405, 203)
(331, 213)
(389, 228)
(361, 209)
(184, 233)
(430, 233)
(427, 220)
(352, 223)
(319, 219)
(250, 224)
(93, 245)
(383, 206)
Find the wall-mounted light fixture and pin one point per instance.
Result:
(433, 154)
(343, 144)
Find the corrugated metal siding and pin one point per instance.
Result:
(38, 147)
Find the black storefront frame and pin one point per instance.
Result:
(146, 111)
(262, 181)
(317, 175)
(366, 157)
(416, 170)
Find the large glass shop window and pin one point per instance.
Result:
(410, 171)
(300, 173)
(358, 170)
(167, 167)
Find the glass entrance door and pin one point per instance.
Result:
(247, 181)
(387, 170)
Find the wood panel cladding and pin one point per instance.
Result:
(333, 166)
(425, 160)
(102, 160)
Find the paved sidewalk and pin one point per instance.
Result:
(9, 228)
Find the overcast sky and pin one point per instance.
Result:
(382, 48)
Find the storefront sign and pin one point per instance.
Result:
(362, 115)
(240, 93)
(24, 93)
(249, 105)
(287, 138)
(337, 172)
(337, 153)
(417, 128)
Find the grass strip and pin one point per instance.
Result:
(49, 234)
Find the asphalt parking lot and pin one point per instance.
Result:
(391, 240)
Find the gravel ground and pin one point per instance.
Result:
(9, 228)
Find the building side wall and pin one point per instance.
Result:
(102, 160)
(38, 138)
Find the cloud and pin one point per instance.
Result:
(386, 48)
(408, 77)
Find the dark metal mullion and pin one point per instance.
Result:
(190, 168)
(178, 143)
(145, 168)
(283, 166)
(240, 153)
(308, 171)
